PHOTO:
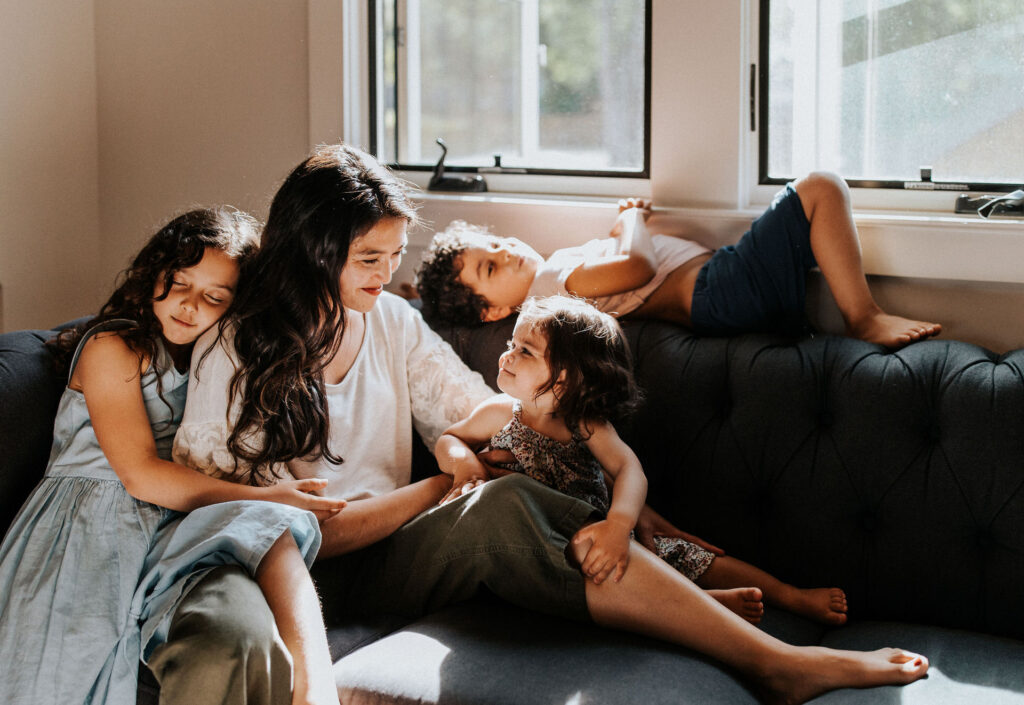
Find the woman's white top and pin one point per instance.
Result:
(404, 376)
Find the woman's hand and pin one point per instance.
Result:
(608, 552)
(301, 494)
(650, 524)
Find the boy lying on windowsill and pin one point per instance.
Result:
(469, 275)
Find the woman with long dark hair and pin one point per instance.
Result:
(320, 373)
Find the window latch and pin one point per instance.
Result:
(1010, 205)
(458, 182)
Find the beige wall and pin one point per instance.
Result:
(49, 203)
(118, 114)
(200, 103)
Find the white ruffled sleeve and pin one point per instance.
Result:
(201, 442)
(442, 389)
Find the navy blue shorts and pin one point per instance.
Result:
(758, 285)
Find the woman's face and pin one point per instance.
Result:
(372, 259)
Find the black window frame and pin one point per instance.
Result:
(644, 173)
(760, 94)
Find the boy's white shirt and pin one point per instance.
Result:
(671, 253)
(404, 376)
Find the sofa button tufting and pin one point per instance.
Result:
(984, 541)
(868, 521)
(825, 419)
(934, 433)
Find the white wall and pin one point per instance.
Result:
(49, 203)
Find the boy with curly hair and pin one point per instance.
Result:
(468, 275)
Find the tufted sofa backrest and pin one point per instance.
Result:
(829, 461)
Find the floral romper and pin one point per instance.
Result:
(572, 469)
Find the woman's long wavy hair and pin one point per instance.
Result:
(288, 316)
(176, 246)
(589, 348)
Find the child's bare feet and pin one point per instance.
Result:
(816, 670)
(746, 602)
(825, 605)
(891, 331)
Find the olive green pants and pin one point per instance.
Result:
(223, 647)
(509, 536)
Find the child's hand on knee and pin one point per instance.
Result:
(608, 555)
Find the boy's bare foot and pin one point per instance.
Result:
(891, 331)
(815, 670)
(746, 602)
(825, 605)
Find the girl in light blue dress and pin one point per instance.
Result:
(101, 553)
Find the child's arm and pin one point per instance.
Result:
(633, 264)
(456, 448)
(108, 376)
(610, 550)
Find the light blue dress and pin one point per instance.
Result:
(90, 577)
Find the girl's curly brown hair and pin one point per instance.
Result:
(446, 300)
(178, 245)
(589, 347)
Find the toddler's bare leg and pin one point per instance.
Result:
(744, 601)
(654, 599)
(289, 591)
(825, 605)
(826, 202)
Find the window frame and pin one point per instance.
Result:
(518, 174)
(760, 97)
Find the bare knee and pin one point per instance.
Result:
(822, 187)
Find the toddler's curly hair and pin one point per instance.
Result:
(590, 348)
(446, 300)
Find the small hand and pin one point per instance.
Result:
(608, 553)
(651, 524)
(302, 494)
(496, 461)
(643, 204)
(464, 483)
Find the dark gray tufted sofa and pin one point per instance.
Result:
(827, 461)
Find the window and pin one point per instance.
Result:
(547, 86)
(877, 89)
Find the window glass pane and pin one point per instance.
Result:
(876, 89)
(548, 84)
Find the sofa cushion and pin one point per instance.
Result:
(484, 651)
(31, 389)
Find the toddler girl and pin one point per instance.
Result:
(99, 556)
(566, 378)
